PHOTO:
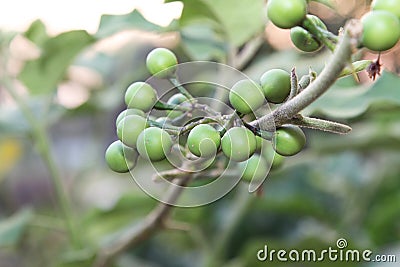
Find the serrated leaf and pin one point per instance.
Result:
(111, 24)
(13, 228)
(42, 75)
(351, 102)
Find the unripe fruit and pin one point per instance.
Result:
(245, 96)
(273, 158)
(154, 144)
(140, 95)
(203, 141)
(275, 84)
(303, 39)
(256, 167)
(381, 30)
(238, 143)
(392, 6)
(288, 140)
(176, 99)
(161, 62)
(127, 112)
(119, 157)
(286, 14)
(129, 128)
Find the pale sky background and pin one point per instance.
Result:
(62, 15)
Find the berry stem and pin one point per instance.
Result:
(355, 67)
(182, 89)
(160, 105)
(322, 35)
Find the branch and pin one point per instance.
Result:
(322, 125)
(152, 223)
(322, 83)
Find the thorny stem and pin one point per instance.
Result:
(322, 83)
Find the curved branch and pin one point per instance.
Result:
(153, 221)
(324, 81)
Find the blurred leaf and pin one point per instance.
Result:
(77, 258)
(201, 43)
(37, 33)
(239, 21)
(347, 103)
(13, 228)
(42, 75)
(111, 24)
(41, 106)
(10, 152)
(129, 207)
(328, 3)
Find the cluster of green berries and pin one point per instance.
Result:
(381, 26)
(292, 14)
(140, 134)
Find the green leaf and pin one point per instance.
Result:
(37, 33)
(42, 75)
(238, 20)
(111, 24)
(13, 228)
(201, 43)
(352, 102)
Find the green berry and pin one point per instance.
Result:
(289, 140)
(381, 30)
(140, 95)
(255, 168)
(129, 128)
(245, 96)
(161, 62)
(203, 141)
(238, 143)
(275, 84)
(154, 144)
(119, 157)
(128, 112)
(286, 14)
(392, 6)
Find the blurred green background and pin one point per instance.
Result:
(72, 82)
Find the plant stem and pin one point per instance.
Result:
(146, 228)
(238, 211)
(322, 83)
(322, 125)
(182, 89)
(42, 141)
(294, 88)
